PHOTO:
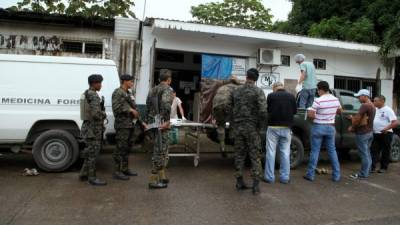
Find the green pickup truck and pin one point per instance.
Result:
(345, 140)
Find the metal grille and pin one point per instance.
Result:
(353, 84)
(70, 46)
(94, 48)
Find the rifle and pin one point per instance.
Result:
(157, 120)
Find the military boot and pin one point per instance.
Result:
(240, 184)
(120, 176)
(155, 183)
(256, 187)
(83, 175)
(96, 181)
(130, 173)
(163, 178)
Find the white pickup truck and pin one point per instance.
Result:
(40, 105)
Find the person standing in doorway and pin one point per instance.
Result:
(384, 122)
(306, 82)
(323, 112)
(177, 104)
(362, 125)
(281, 110)
(249, 112)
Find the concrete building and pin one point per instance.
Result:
(179, 46)
(58, 35)
(144, 48)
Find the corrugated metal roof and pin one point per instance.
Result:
(34, 17)
(247, 33)
(126, 28)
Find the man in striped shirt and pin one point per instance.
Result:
(323, 113)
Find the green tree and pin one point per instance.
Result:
(367, 21)
(249, 14)
(85, 8)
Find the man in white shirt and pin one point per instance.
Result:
(384, 122)
(176, 103)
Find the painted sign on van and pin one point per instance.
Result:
(37, 101)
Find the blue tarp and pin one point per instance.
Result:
(216, 67)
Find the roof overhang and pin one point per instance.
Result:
(277, 40)
(56, 19)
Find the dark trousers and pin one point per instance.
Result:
(381, 147)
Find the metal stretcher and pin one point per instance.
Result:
(191, 142)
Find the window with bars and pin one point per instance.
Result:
(355, 84)
(82, 47)
(285, 60)
(320, 64)
(72, 46)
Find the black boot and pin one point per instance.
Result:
(240, 185)
(83, 177)
(256, 187)
(120, 176)
(96, 181)
(130, 173)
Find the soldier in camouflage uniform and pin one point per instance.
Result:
(93, 115)
(126, 118)
(159, 102)
(249, 112)
(222, 110)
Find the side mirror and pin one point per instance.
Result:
(348, 107)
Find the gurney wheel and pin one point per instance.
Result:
(196, 162)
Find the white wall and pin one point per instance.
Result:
(342, 64)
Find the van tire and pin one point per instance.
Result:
(296, 153)
(55, 150)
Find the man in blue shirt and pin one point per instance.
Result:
(307, 82)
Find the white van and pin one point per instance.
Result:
(39, 105)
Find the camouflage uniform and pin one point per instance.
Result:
(164, 94)
(92, 134)
(222, 108)
(122, 103)
(249, 112)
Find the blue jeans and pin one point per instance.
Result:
(363, 144)
(323, 134)
(278, 137)
(306, 98)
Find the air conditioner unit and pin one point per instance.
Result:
(269, 57)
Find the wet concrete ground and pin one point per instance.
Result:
(203, 195)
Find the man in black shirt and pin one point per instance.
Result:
(281, 110)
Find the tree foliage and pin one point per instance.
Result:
(85, 8)
(367, 21)
(249, 14)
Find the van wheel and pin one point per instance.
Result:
(395, 153)
(55, 150)
(296, 153)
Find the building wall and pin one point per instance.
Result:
(362, 65)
